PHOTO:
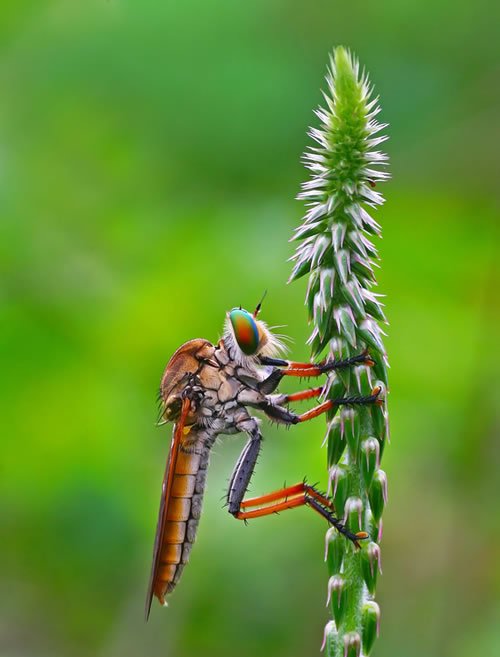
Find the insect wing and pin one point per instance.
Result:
(165, 496)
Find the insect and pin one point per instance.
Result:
(207, 390)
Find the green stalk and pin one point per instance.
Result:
(337, 253)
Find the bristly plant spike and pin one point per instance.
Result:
(337, 253)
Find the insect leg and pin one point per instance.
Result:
(298, 396)
(316, 369)
(279, 414)
(243, 470)
(290, 498)
(271, 382)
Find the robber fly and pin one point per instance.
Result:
(207, 390)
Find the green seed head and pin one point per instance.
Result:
(370, 459)
(335, 248)
(377, 494)
(371, 565)
(337, 596)
(370, 621)
(352, 644)
(335, 546)
(330, 637)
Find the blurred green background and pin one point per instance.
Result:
(149, 157)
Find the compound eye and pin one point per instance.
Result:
(245, 331)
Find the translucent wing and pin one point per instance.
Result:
(165, 495)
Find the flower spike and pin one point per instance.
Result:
(335, 249)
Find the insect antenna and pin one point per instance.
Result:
(259, 305)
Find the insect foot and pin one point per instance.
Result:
(378, 396)
(354, 537)
(363, 358)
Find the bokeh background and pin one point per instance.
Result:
(149, 158)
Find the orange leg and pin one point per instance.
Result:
(292, 497)
(303, 369)
(330, 403)
(304, 394)
(285, 493)
(279, 413)
(293, 368)
(317, 410)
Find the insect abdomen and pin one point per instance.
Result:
(183, 512)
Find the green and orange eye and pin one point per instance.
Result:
(245, 331)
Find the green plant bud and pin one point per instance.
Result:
(370, 459)
(326, 285)
(345, 349)
(374, 308)
(360, 245)
(336, 387)
(357, 379)
(370, 334)
(352, 644)
(330, 635)
(342, 261)
(335, 441)
(351, 429)
(353, 297)
(321, 246)
(353, 513)
(339, 486)
(301, 268)
(336, 473)
(369, 224)
(309, 230)
(337, 595)
(344, 319)
(371, 565)
(364, 385)
(339, 230)
(363, 271)
(370, 625)
(314, 342)
(317, 343)
(312, 291)
(316, 308)
(377, 494)
(322, 315)
(334, 550)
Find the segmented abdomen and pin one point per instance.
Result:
(183, 510)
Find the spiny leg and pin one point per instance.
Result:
(343, 401)
(243, 470)
(292, 368)
(280, 414)
(285, 398)
(286, 493)
(292, 497)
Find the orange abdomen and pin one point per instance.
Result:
(182, 513)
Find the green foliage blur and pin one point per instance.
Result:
(149, 158)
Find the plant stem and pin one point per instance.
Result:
(337, 253)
